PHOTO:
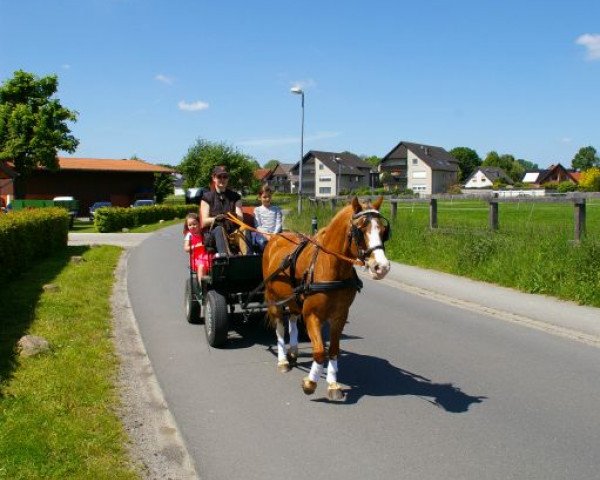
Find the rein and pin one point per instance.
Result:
(307, 285)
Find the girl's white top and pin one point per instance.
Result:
(268, 218)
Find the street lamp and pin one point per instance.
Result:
(299, 91)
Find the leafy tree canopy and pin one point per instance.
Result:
(585, 158)
(272, 164)
(163, 184)
(33, 124)
(372, 160)
(506, 162)
(590, 180)
(468, 161)
(527, 165)
(203, 156)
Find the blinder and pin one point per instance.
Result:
(358, 235)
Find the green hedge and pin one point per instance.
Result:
(114, 219)
(29, 235)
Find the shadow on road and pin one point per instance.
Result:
(367, 375)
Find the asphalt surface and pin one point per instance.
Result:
(446, 378)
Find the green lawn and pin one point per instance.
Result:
(57, 410)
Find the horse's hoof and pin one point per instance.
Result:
(335, 392)
(292, 356)
(308, 386)
(283, 366)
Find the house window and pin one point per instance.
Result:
(321, 167)
(415, 161)
(324, 190)
(324, 179)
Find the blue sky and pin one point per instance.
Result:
(149, 78)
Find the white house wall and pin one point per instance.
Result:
(479, 180)
(418, 174)
(324, 179)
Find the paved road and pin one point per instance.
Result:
(440, 387)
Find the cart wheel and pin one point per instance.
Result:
(192, 306)
(216, 319)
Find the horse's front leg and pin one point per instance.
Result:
(313, 326)
(334, 389)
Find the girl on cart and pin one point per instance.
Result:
(193, 243)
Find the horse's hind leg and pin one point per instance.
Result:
(334, 389)
(292, 354)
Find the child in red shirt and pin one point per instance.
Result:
(194, 242)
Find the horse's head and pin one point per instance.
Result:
(369, 230)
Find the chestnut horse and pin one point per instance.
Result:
(315, 278)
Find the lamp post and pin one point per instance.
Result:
(299, 91)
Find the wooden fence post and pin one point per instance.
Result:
(493, 217)
(433, 221)
(394, 210)
(579, 204)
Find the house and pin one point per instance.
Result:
(7, 175)
(326, 174)
(553, 174)
(424, 169)
(281, 179)
(485, 177)
(90, 180)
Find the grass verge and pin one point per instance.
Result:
(58, 410)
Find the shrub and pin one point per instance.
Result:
(115, 219)
(29, 235)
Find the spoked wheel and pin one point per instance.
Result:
(216, 319)
(191, 303)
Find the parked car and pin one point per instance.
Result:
(96, 206)
(143, 203)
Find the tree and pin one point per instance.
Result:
(527, 165)
(203, 156)
(507, 163)
(271, 164)
(468, 161)
(163, 184)
(585, 158)
(373, 160)
(33, 124)
(590, 180)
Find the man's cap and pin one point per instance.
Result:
(219, 170)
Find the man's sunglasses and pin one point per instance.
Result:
(223, 176)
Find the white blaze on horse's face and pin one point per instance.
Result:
(378, 264)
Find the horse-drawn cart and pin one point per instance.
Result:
(222, 297)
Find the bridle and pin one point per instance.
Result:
(357, 235)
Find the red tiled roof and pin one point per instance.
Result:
(261, 173)
(107, 164)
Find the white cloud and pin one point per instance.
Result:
(273, 142)
(66, 66)
(566, 140)
(164, 79)
(192, 106)
(591, 41)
